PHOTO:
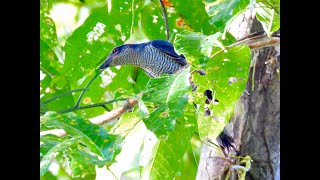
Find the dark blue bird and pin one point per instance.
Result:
(155, 57)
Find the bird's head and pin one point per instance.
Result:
(120, 55)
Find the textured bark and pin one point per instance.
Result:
(255, 125)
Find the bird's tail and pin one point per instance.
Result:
(226, 143)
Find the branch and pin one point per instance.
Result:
(90, 106)
(102, 119)
(254, 42)
(109, 116)
(165, 19)
(81, 95)
(63, 94)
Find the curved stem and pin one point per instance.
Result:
(165, 19)
(86, 88)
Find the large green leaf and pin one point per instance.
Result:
(153, 24)
(168, 92)
(268, 17)
(168, 154)
(54, 82)
(225, 78)
(223, 10)
(89, 45)
(193, 13)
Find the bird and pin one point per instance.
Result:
(155, 57)
(158, 57)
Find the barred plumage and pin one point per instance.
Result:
(155, 57)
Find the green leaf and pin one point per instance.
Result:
(153, 24)
(89, 45)
(167, 92)
(95, 137)
(48, 142)
(47, 25)
(169, 155)
(269, 18)
(223, 10)
(226, 75)
(47, 158)
(53, 82)
(193, 13)
(272, 4)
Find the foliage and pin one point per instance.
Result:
(168, 112)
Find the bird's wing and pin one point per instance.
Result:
(168, 49)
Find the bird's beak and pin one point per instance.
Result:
(105, 64)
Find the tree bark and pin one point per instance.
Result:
(256, 121)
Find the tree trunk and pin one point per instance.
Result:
(256, 121)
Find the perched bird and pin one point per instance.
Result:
(157, 57)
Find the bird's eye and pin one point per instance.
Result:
(114, 51)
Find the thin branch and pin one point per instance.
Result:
(81, 95)
(165, 19)
(108, 117)
(63, 94)
(46, 71)
(112, 172)
(91, 106)
(43, 105)
(254, 42)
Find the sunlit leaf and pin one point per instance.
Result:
(223, 10)
(168, 92)
(225, 77)
(54, 81)
(95, 137)
(268, 17)
(47, 158)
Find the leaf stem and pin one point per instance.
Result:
(165, 17)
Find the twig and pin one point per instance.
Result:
(44, 106)
(254, 42)
(165, 19)
(63, 94)
(91, 106)
(108, 117)
(46, 71)
(81, 95)
(102, 119)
